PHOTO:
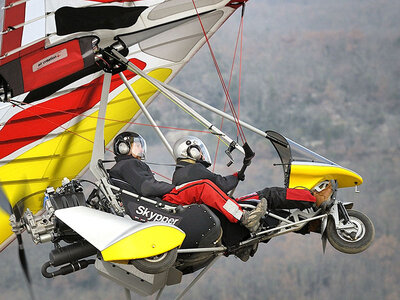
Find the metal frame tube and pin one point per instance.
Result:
(127, 294)
(147, 114)
(212, 109)
(197, 278)
(159, 293)
(199, 250)
(98, 144)
(214, 130)
(280, 218)
(292, 224)
(140, 197)
(259, 235)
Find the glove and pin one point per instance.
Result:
(247, 161)
(240, 175)
(249, 154)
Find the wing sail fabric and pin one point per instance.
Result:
(12, 16)
(70, 20)
(57, 76)
(41, 66)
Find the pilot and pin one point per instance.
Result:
(130, 150)
(193, 159)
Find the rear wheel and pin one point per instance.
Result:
(354, 239)
(156, 264)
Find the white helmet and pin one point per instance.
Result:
(193, 148)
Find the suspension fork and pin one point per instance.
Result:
(337, 212)
(343, 212)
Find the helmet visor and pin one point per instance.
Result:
(205, 156)
(138, 147)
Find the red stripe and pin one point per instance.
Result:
(240, 130)
(299, 195)
(248, 197)
(30, 49)
(12, 16)
(37, 121)
(229, 86)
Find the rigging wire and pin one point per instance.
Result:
(239, 35)
(106, 119)
(239, 127)
(19, 105)
(165, 177)
(240, 58)
(171, 99)
(16, 103)
(226, 90)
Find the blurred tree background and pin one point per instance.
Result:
(323, 73)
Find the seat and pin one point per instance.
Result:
(122, 184)
(128, 187)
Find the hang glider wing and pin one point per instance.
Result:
(51, 75)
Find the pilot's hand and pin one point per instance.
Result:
(248, 155)
(247, 161)
(240, 175)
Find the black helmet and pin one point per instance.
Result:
(123, 144)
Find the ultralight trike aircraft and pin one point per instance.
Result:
(68, 93)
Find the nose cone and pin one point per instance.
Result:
(310, 174)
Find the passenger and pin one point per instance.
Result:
(193, 159)
(130, 150)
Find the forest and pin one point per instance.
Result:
(323, 73)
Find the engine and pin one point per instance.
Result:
(45, 227)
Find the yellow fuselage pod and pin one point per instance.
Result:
(304, 174)
(151, 240)
(118, 238)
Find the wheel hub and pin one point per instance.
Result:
(353, 233)
(156, 258)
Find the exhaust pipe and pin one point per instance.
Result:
(72, 255)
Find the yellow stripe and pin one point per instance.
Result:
(309, 175)
(68, 153)
(147, 242)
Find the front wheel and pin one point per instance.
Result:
(156, 264)
(354, 239)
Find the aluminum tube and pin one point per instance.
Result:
(289, 225)
(197, 250)
(147, 114)
(168, 207)
(197, 278)
(179, 102)
(213, 109)
(98, 145)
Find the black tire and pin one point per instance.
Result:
(354, 240)
(156, 264)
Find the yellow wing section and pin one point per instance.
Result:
(147, 242)
(163, 36)
(35, 169)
